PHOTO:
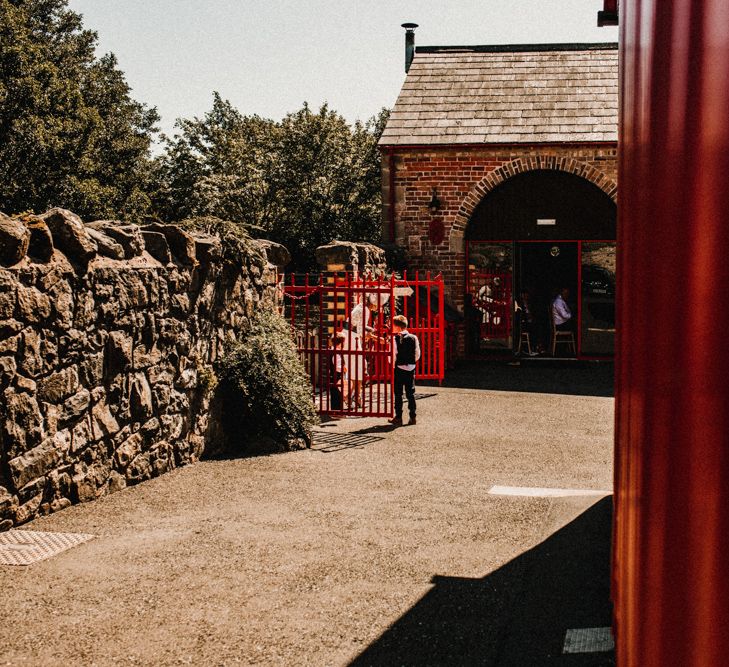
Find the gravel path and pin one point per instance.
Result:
(321, 556)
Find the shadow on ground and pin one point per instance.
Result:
(546, 377)
(335, 442)
(518, 615)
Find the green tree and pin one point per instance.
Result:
(70, 134)
(302, 182)
(327, 182)
(218, 166)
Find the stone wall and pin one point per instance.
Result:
(108, 335)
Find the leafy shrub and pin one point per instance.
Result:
(268, 404)
(206, 378)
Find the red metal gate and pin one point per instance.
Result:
(341, 325)
(423, 304)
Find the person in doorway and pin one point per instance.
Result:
(339, 384)
(473, 325)
(561, 313)
(407, 353)
(526, 320)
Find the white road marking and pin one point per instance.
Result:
(588, 640)
(540, 492)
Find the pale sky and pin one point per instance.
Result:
(269, 56)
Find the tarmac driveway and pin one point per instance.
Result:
(376, 546)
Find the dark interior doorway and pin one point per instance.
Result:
(510, 247)
(544, 268)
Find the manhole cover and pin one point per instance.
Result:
(25, 547)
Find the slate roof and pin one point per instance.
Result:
(507, 94)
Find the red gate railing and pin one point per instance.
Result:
(425, 310)
(341, 325)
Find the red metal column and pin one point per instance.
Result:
(671, 547)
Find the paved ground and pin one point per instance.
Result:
(377, 547)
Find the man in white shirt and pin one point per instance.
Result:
(561, 312)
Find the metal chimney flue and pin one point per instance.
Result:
(409, 44)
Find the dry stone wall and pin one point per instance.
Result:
(108, 336)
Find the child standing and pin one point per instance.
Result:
(407, 353)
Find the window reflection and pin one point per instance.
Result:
(489, 297)
(598, 298)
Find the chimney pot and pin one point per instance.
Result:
(409, 44)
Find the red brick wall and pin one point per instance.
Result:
(462, 176)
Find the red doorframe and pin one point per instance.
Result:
(579, 243)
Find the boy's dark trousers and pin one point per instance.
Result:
(404, 380)
(335, 391)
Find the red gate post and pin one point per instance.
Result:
(318, 354)
(671, 533)
(442, 333)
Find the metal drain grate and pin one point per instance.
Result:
(25, 547)
(588, 640)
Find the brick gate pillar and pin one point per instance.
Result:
(339, 259)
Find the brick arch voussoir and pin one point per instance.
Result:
(519, 166)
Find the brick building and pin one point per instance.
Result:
(500, 171)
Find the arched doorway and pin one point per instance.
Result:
(535, 234)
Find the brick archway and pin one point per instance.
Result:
(494, 178)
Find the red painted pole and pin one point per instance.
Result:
(417, 297)
(319, 356)
(441, 330)
(671, 537)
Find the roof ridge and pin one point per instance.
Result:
(518, 48)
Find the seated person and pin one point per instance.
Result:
(524, 312)
(561, 313)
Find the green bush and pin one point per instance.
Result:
(268, 404)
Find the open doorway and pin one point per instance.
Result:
(544, 268)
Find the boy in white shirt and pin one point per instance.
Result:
(407, 353)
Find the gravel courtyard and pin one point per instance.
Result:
(377, 546)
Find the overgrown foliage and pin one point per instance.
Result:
(268, 406)
(302, 182)
(70, 134)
